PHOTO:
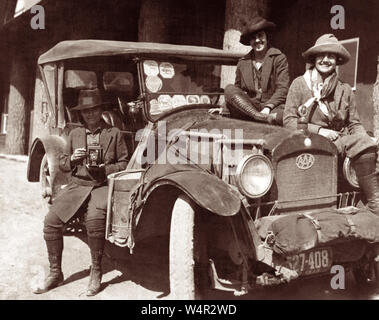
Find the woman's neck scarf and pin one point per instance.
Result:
(321, 90)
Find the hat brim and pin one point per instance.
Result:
(246, 36)
(88, 106)
(343, 56)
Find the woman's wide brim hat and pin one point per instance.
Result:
(89, 99)
(327, 43)
(255, 25)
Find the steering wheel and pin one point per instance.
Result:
(123, 106)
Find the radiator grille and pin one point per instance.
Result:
(295, 184)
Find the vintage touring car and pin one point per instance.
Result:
(243, 204)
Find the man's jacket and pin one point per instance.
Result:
(83, 181)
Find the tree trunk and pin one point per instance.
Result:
(153, 24)
(237, 13)
(7, 9)
(18, 110)
(376, 103)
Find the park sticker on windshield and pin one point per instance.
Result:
(178, 100)
(153, 83)
(165, 102)
(193, 99)
(154, 107)
(150, 67)
(205, 99)
(166, 70)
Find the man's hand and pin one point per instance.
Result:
(266, 110)
(330, 134)
(78, 154)
(216, 110)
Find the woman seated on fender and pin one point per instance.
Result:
(331, 111)
(262, 78)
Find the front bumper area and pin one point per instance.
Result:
(354, 254)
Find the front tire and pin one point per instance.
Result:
(367, 274)
(187, 251)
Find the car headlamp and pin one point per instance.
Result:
(349, 173)
(254, 175)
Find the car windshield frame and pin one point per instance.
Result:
(91, 63)
(149, 96)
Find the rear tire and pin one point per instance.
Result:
(186, 252)
(45, 183)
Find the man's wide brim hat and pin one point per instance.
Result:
(255, 25)
(89, 99)
(327, 43)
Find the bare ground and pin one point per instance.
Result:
(24, 258)
(140, 277)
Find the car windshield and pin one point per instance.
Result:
(115, 78)
(166, 84)
(171, 85)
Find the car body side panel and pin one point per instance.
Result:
(53, 146)
(206, 190)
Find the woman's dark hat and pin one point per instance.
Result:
(89, 99)
(255, 25)
(327, 43)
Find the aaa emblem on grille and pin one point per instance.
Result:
(305, 161)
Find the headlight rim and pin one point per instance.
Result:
(240, 167)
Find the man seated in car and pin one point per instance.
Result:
(330, 108)
(262, 77)
(93, 151)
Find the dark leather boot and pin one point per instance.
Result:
(97, 248)
(375, 252)
(55, 276)
(370, 187)
(238, 99)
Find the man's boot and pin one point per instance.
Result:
(97, 248)
(238, 99)
(55, 276)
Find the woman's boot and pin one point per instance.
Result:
(370, 187)
(365, 168)
(55, 276)
(239, 100)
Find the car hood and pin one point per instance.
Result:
(198, 120)
(272, 134)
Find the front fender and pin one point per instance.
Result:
(206, 190)
(52, 146)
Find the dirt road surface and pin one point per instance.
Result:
(23, 254)
(140, 277)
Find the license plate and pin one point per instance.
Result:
(311, 262)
